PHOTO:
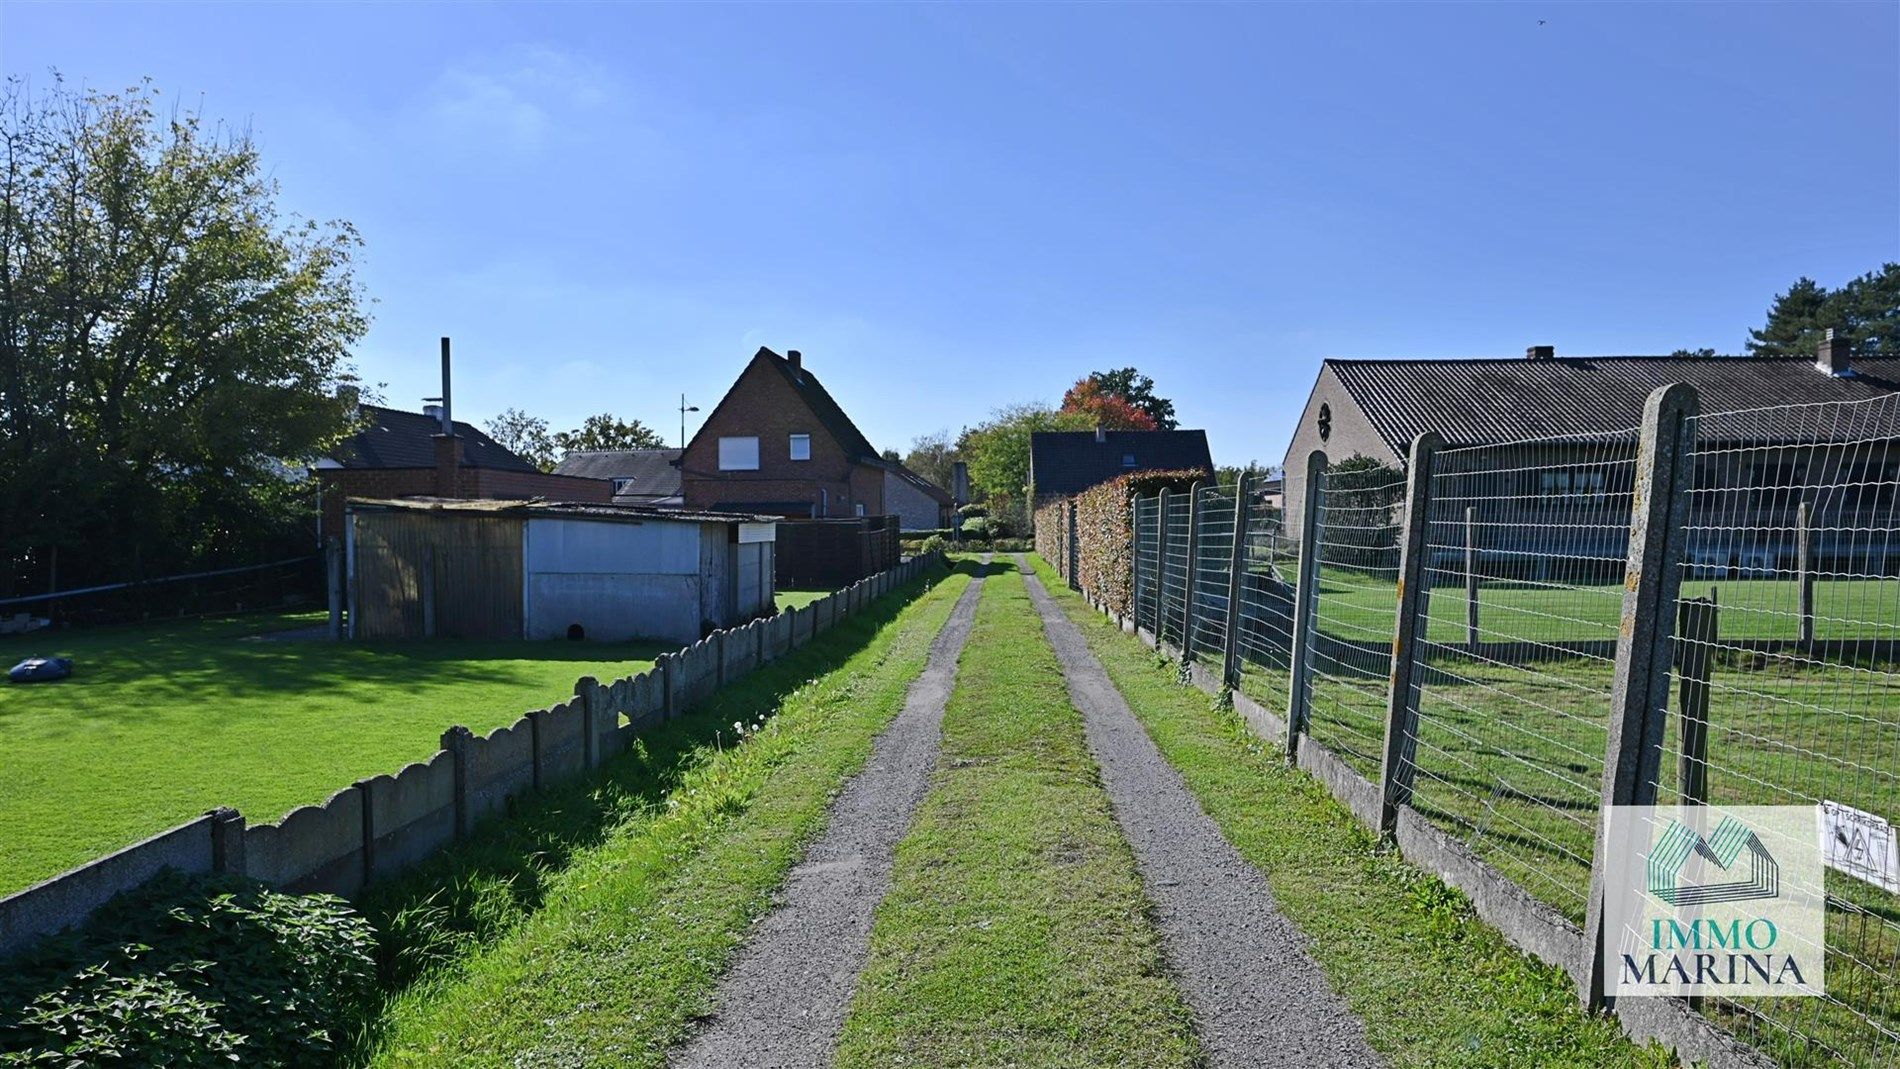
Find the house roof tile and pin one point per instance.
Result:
(1069, 462)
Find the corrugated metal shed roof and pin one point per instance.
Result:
(576, 509)
(1474, 402)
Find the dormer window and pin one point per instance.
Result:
(623, 485)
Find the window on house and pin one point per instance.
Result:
(860, 508)
(622, 485)
(801, 447)
(739, 454)
(1578, 487)
(1128, 460)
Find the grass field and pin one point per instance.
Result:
(161, 722)
(1016, 932)
(592, 928)
(797, 599)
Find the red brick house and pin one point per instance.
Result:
(778, 444)
(400, 454)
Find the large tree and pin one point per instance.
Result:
(1129, 385)
(997, 452)
(171, 345)
(605, 432)
(934, 456)
(525, 436)
(1867, 309)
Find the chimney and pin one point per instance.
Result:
(960, 483)
(448, 448)
(797, 358)
(1101, 434)
(1541, 352)
(1833, 356)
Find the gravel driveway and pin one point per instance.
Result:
(1259, 999)
(783, 1002)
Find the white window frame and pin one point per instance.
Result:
(622, 484)
(796, 440)
(739, 453)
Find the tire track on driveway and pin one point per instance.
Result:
(1259, 999)
(783, 1001)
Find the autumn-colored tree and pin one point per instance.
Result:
(1091, 398)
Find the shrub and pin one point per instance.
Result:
(973, 509)
(189, 971)
(933, 544)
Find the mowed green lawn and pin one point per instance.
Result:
(797, 599)
(163, 721)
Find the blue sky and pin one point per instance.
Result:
(949, 208)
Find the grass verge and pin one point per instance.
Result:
(603, 953)
(1435, 985)
(1016, 932)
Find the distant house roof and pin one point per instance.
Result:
(393, 438)
(937, 493)
(1069, 462)
(1474, 402)
(652, 474)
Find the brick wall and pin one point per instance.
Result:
(762, 404)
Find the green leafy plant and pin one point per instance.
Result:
(194, 970)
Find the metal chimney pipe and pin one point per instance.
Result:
(448, 419)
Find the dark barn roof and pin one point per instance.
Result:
(393, 438)
(1069, 462)
(1473, 402)
(655, 472)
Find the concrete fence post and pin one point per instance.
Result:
(1639, 694)
(366, 794)
(1397, 767)
(1305, 602)
(536, 758)
(456, 741)
(668, 666)
(227, 841)
(1471, 578)
(1236, 570)
(1134, 559)
(1697, 626)
(1193, 569)
(1804, 570)
(587, 692)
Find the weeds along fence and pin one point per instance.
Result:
(378, 826)
(1440, 642)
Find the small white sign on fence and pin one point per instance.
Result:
(1861, 844)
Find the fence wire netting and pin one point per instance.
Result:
(1269, 569)
(1525, 547)
(1214, 517)
(1349, 649)
(1782, 642)
(1787, 690)
(1147, 562)
(1174, 568)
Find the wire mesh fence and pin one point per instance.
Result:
(1524, 553)
(1789, 693)
(1269, 566)
(1214, 514)
(1784, 637)
(1349, 654)
(1174, 568)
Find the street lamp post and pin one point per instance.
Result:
(684, 408)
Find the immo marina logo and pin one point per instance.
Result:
(1703, 900)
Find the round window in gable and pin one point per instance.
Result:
(1325, 421)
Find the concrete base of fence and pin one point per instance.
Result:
(1357, 793)
(1261, 720)
(67, 900)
